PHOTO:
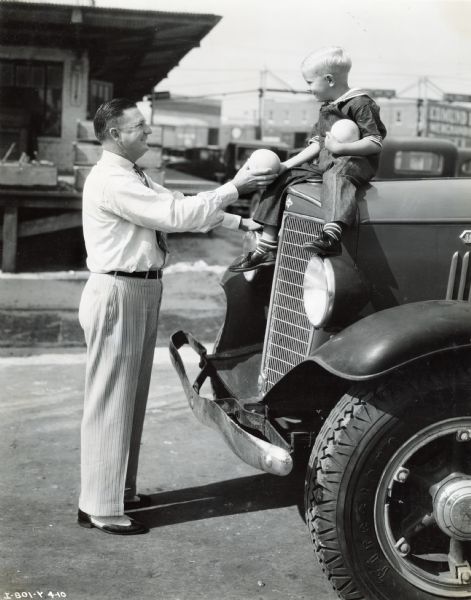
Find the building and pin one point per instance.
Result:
(186, 122)
(288, 120)
(428, 118)
(58, 62)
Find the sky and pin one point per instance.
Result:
(392, 43)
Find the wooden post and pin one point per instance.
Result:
(10, 239)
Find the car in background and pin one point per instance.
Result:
(205, 162)
(463, 165)
(417, 157)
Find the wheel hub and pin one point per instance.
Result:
(452, 506)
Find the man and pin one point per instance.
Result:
(124, 215)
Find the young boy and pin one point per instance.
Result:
(344, 167)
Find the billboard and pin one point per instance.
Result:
(449, 122)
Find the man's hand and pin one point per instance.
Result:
(246, 180)
(249, 225)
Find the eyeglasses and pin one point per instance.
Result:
(141, 125)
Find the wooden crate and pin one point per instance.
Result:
(27, 174)
(85, 131)
(80, 174)
(87, 153)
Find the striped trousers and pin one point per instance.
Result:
(119, 318)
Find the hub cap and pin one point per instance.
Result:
(423, 509)
(452, 507)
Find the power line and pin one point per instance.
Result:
(218, 94)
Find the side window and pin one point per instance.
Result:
(98, 92)
(426, 163)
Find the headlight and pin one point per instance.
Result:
(318, 290)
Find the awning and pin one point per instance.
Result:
(133, 49)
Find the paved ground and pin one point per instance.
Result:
(219, 529)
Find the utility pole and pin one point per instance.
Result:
(261, 102)
(421, 106)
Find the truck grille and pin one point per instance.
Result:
(289, 332)
(459, 280)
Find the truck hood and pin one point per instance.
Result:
(412, 200)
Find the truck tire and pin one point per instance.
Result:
(388, 488)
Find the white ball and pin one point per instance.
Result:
(264, 159)
(345, 130)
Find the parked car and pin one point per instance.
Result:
(463, 164)
(412, 157)
(362, 361)
(202, 161)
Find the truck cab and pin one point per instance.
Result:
(417, 157)
(362, 363)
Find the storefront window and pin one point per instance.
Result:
(36, 87)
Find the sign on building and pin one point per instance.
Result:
(377, 93)
(449, 122)
(457, 97)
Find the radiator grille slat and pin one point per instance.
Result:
(289, 331)
(459, 278)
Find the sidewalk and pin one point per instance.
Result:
(40, 310)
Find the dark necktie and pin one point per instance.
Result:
(160, 235)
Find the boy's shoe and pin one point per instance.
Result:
(324, 245)
(253, 260)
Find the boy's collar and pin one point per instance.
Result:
(352, 93)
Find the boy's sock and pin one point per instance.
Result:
(334, 230)
(264, 246)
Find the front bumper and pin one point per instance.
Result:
(222, 414)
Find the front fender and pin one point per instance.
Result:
(384, 341)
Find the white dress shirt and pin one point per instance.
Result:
(121, 215)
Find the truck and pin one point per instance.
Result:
(357, 368)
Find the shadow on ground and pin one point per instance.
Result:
(235, 496)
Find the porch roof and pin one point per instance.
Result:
(133, 49)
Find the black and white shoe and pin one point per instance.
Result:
(324, 245)
(253, 260)
(134, 528)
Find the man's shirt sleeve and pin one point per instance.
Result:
(156, 207)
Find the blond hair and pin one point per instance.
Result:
(332, 59)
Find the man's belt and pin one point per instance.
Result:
(138, 274)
